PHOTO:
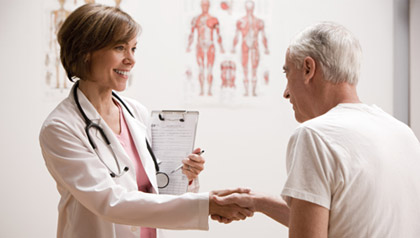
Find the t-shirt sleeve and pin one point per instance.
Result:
(310, 167)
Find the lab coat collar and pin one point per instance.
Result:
(88, 108)
(139, 134)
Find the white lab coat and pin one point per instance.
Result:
(93, 204)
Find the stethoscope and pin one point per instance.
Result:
(161, 177)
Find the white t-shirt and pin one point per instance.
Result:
(364, 166)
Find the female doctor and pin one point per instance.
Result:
(95, 144)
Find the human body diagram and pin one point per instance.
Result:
(249, 31)
(57, 18)
(250, 27)
(205, 25)
(228, 74)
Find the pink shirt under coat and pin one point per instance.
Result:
(143, 182)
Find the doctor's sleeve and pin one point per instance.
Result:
(78, 170)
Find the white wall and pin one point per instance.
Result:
(401, 60)
(414, 66)
(245, 146)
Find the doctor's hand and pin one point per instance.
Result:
(248, 200)
(193, 165)
(229, 212)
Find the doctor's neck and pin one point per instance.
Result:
(99, 97)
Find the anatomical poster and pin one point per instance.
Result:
(228, 47)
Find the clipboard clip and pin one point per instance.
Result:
(162, 118)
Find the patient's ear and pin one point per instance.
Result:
(308, 68)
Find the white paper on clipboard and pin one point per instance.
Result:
(173, 137)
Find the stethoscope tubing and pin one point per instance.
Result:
(90, 124)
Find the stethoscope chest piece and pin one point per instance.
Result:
(162, 179)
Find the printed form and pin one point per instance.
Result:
(173, 137)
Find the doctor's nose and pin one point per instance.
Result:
(130, 59)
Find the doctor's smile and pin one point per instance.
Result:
(123, 73)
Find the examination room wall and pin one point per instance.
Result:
(245, 141)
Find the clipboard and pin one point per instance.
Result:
(173, 136)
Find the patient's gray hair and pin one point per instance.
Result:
(332, 46)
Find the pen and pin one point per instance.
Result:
(180, 166)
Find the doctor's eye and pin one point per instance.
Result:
(119, 47)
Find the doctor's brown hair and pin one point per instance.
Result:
(89, 28)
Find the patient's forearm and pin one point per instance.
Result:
(274, 207)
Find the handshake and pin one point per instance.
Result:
(230, 205)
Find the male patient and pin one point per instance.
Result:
(353, 170)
